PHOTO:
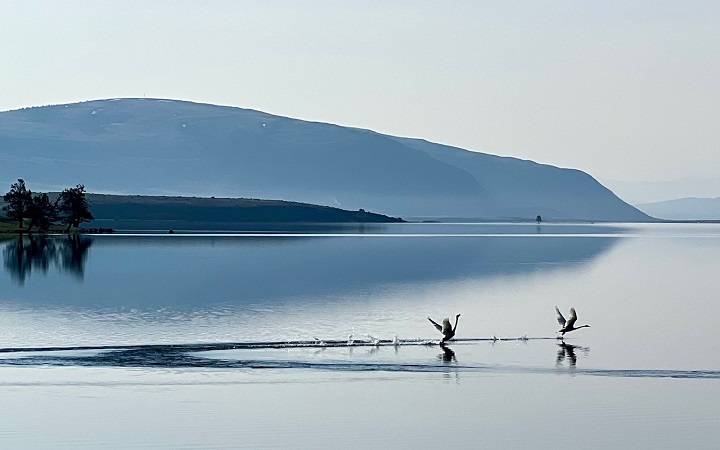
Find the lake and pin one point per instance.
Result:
(276, 338)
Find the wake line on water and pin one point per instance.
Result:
(173, 360)
(314, 343)
(189, 356)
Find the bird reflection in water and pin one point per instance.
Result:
(448, 358)
(567, 351)
(448, 355)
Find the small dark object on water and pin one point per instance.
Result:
(171, 232)
(97, 230)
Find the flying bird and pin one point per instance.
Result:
(447, 331)
(569, 324)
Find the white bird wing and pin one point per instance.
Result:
(560, 318)
(446, 328)
(572, 319)
(435, 324)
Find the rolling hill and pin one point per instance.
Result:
(178, 148)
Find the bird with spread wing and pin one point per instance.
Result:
(569, 324)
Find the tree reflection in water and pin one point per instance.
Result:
(40, 253)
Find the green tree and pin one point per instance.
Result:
(73, 207)
(42, 213)
(18, 199)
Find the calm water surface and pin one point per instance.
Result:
(206, 340)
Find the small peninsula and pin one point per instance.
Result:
(141, 212)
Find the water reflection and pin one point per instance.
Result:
(567, 351)
(448, 355)
(199, 271)
(38, 252)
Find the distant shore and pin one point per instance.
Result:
(198, 214)
(154, 213)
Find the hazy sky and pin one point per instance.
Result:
(625, 90)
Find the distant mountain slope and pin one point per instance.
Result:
(167, 147)
(530, 188)
(684, 209)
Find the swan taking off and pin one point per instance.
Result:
(447, 331)
(569, 324)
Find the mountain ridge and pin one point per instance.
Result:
(174, 147)
(686, 208)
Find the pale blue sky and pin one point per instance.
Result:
(625, 90)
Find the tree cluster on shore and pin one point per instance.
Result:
(69, 208)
